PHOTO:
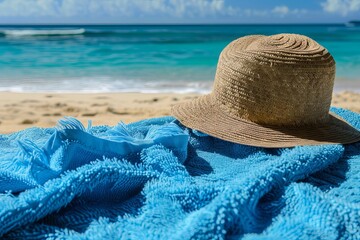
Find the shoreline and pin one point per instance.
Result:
(146, 87)
(344, 85)
(19, 111)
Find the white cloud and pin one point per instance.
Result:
(341, 6)
(256, 12)
(278, 11)
(70, 8)
(26, 8)
(282, 10)
(96, 9)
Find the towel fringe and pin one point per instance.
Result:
(71, 123)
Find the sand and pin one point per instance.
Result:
(23, 110)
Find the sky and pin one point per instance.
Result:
(177, 11)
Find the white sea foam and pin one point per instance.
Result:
(104, 85)
(42, 32)
(107, 84)
(112, 85)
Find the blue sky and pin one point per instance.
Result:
(178, 11)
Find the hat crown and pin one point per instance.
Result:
(291, 43)
(284, 79)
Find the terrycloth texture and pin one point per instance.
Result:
(155, 179)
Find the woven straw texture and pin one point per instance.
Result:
(270, 91)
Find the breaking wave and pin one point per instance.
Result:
(43, 32)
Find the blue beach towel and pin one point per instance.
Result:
(156, 179)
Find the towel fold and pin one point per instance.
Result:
(156, 179)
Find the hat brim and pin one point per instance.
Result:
(204, 115)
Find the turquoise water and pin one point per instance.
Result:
(142, 58)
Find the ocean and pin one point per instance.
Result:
(143, 58)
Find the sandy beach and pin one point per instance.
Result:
(23, 110)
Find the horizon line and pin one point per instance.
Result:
(163, 24)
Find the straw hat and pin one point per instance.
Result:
(270, 91)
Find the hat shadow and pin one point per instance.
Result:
(196, 165)
(335, 174)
